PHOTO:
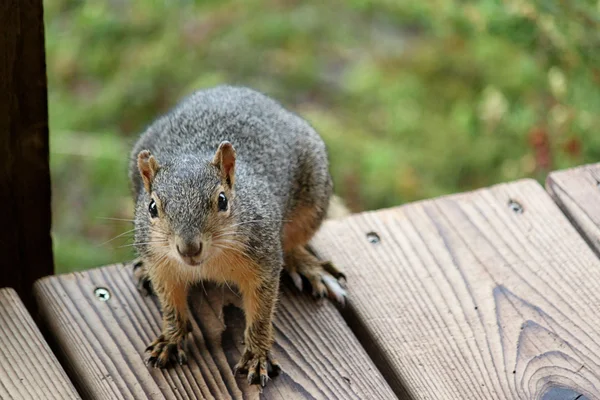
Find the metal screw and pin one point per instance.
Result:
(373, 238)
(102, 294)
(515, 206)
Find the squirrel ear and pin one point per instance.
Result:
(225, 160)
(148, 167)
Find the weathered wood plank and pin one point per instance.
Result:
(25, 242)
(473, 297)
(103, 344)
(577, 192)
(28, 368)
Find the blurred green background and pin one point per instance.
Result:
(414, 98)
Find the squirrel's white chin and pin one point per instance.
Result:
(191, 261)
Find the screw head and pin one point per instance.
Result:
(515, 206)
(102, 294)
(373, 238)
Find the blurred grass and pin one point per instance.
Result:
(414, 99)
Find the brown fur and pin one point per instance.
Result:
(148, 168)
(302, 225)
(231, 251)
(259, 293)
(259, 287)
(172, 292)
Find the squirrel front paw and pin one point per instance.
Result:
(142, 279)
(163, 351)
(258, 367)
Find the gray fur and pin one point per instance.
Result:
(281, 165)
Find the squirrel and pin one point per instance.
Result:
(206, 210)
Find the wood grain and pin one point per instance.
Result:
(577, 192)
(103, 343)
(25, 242)
(472, 297)
(28, 368)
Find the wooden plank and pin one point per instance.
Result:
(485, 295)
(28, 368)
(103, 343)
(25, 242)
(577, 192)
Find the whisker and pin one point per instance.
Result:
(156, 230)
(118, 236)
(232, 241)
(231, 249)
(203, 288)
(217, 238)
(259, 220)
(117, 219)
(133, 244)
(232, 246)
(225, 280)
(224, 246)
(225, 236)
(221, 233)
(162, 258)
(225, 233)
(227, 283)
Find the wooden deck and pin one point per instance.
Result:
(28, 368)
(484, 295)
(492, 294)
(104, 342)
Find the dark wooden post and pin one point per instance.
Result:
(25, 243)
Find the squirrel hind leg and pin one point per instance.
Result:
(142, 278)
(324, 278)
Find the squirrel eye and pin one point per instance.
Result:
(153, 209)
(222, 202)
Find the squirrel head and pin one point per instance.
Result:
(187, 210)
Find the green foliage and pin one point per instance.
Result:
(414, 99)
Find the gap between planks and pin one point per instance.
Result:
(103, 343)
(484, 295)
(577, 193)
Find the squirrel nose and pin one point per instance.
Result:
(189, 249)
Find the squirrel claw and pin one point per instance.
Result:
(163, 352)
(251, 377)
(335, 289)
(259, 369)
(323, 276)
(325, 285)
